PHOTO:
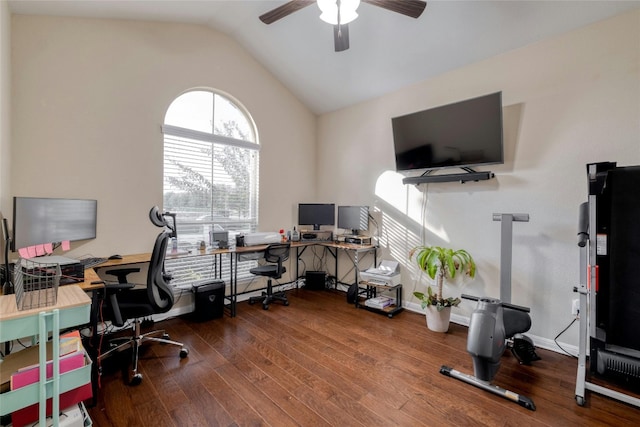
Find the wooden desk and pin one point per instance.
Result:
(333, 248)
(90, 274)
(93, 282)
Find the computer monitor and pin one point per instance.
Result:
(316, 214)
(39, 221)
(353, 218)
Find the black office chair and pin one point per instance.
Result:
(275, 254)
(124, 302)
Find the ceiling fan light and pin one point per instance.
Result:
(329, 9)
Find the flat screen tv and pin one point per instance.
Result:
(316, 214)
(353, 218)
(463, 134)
(39, 221)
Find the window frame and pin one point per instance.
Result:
(173, 134)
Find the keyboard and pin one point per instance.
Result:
(91, 261)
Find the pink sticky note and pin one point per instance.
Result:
(66, 245)
(48, 248)
(24, 252)
(40, 250)
(32, 251)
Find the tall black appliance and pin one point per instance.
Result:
(614, 257)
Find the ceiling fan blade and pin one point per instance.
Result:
(341, 37)
(412, 8)
(284, 10)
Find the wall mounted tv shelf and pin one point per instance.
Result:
(468, 175)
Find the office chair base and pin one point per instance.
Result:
(135, 342)
(268, 297)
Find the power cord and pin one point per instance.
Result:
(562, 332)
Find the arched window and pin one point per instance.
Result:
(210, 165)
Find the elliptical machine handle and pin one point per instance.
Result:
(583, 224)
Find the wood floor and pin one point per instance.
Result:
(321, 362)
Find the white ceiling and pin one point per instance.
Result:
(388, 50)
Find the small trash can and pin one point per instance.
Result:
(209, 299)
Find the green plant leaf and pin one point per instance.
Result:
(435, 260)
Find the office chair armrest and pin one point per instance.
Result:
(122, 273)
(111, 291)
(113, 286)
(280, 266)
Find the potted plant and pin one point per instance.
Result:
(440, 263)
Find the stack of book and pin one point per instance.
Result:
(380, 302)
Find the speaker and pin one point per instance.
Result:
(209, 300)
(315, 280)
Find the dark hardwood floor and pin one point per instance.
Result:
(320, 362)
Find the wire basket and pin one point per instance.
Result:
(36, 283)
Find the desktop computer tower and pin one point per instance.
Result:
(315, 280)
(209, 300)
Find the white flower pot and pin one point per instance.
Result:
(438, 321)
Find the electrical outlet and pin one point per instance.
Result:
(575, 307)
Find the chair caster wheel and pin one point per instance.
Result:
(265, 306)
(286, 303)
(136, 379)
(251, 302)
(184, 352)
(166, 336)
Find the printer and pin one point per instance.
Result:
(386, 274)
(261, 238)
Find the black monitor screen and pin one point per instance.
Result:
(353, 218)
(39, 221)
(316, 214)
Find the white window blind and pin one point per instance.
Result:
(211, 161)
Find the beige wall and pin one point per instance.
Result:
(5, 107)
(90, 97)
(568, 101)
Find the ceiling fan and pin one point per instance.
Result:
(341, 12)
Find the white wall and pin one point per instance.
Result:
(568, 101)
(89, 99)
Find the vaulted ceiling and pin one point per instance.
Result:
(387, 50)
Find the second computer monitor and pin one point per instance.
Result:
(353, 218)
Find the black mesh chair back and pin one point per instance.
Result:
(158, 291)
(275, 254)
(125, 301)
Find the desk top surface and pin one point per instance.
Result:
(90, 274)
(68, 296)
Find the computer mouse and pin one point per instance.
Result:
(115, 257)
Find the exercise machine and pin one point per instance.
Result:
(496, 324)
(608, 232)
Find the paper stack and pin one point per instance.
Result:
(379, 302)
